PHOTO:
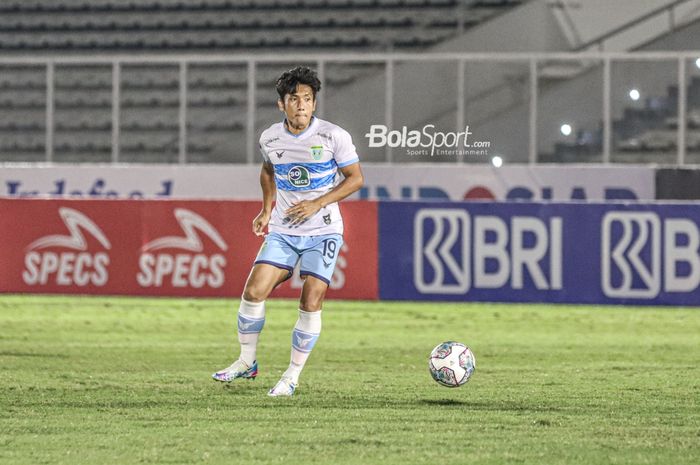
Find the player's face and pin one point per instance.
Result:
(298, 107)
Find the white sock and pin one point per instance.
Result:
(251, 318)
(304, 337)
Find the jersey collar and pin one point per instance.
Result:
(312, 123)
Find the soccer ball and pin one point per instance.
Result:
(451, 364)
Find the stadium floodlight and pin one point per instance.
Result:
(634, 94)
(566, 129)
(697, 63)
(497, 161)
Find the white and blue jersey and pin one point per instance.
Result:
(306, 167)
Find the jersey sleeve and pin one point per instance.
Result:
(266, 159)
(345, 153)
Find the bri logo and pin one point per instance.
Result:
(194, 268)
(644, 255)
(453, 251)
(68, 268)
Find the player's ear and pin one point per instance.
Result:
(315, 100)
(280, 105)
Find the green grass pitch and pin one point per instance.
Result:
(127, 380)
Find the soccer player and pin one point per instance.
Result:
(302, 156)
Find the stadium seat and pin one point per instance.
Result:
(112, 26)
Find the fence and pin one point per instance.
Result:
(626, 103)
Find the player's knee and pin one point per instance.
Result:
(311, 303)
(309, 306)
(254, 294)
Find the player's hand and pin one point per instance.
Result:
(260, 223)
(302, 211)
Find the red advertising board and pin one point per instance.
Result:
(159, 248)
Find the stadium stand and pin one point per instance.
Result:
(227, 25)
(217, 94)
(642, 135)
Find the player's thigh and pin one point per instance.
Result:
(273, 264)
(317, 266)
(263, 278)
(312, 294)
(278, 250)
(319, 259)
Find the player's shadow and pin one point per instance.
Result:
(31, 354)
(499, 406)
(239, 387)
(443, 402)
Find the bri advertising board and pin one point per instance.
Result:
(159, 248)
(566, 253)
(476, 251)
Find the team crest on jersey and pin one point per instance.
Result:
(317, 152)
(299, 176)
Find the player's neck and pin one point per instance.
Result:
(297, 130)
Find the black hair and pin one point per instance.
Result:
(288, 82)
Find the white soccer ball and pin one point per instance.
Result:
(451, 363)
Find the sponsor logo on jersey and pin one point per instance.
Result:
(77, 265)
(270, 141)
(299, 176)
(192, 267)
(317, 152)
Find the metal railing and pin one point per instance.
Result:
(533, 61)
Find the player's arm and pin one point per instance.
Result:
(267, 182)
(352, 181)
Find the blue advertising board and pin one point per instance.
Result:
(540, 252)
